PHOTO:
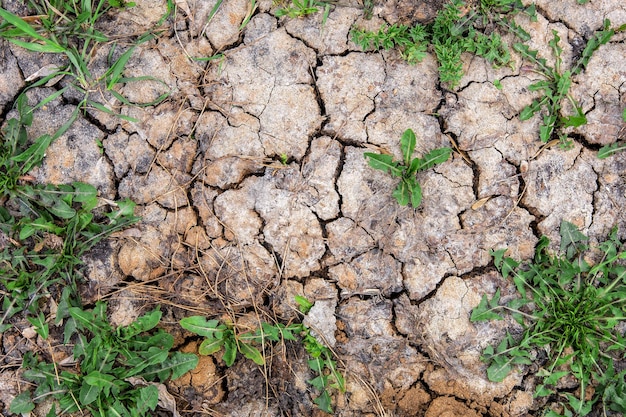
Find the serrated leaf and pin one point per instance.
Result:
(416, 194)
(62, 210)
(485, 311)
(177, 365)
(320, 382)
(142, 324)
(148, 398)
(88, 393)
(572, 240)
(41, 327)
(530, 110)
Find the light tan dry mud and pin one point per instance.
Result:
(228, 230)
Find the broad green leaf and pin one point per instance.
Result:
(320, 382)
(22, 404)
(87, 320)
(251, 353)
(572, 240)
(177, 365)
(210, 345)
(200, 325)
(407, 145)
(142, 324)
(485, 309)
(148, 398)
(324, 402)
(530, 110)
(153, 356)
(574, 121)
(98, 379)
(316, 365)
(609, 150)
(416, 194)
(401, 193)
(434, 157)
(62, 210)
(88, 393)
(496, 372)
(304, 305)
(384, 163)
(270, 332)
(542, 391)
(85, 193)
(230, 352)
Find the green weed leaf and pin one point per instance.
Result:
(572, 240)
(22, 404)
(609, 150)
(402, 193)
(434, 157)
(210, 345)
(41, 327)
(324, 402)
(230, 352)
(251, 353)
(497, 371)
(407, 145)
(384, 163)
(200, 325)
(304, 305)
(485, 309)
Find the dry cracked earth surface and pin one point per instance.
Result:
(228, 230)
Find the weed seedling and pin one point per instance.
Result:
(69, 28)
(457, 28)
(117, 367)
(46, 228)
(555, 87)
(220, 336)
(408, 189)
(302, 8)
(571, 311)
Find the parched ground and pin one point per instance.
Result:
(227, 230)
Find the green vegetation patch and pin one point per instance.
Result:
(572, 311)
(116, 367)
(408, 189)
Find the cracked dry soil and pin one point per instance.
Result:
(229, 231)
